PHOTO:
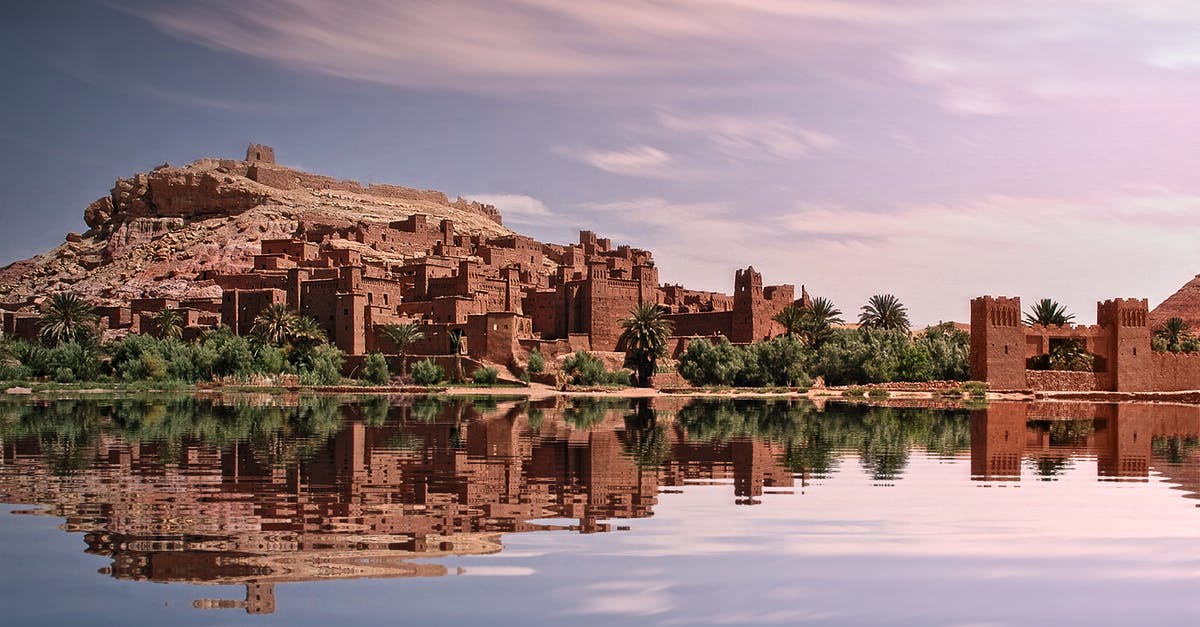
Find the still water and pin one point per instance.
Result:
(327, 511)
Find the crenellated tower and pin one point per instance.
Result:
(1127, 323)
(998, 342)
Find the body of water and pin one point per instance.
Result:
(325, 511)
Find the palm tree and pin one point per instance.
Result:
(1047, 312)
(169, 323)
(456, 344)
(791, 318)
(67, 318)
(819, 317)
(1174, 332)
(274, 325)
(1070, 355)
(644, 340)
(306, 333)
(403, 336)
(884, 311)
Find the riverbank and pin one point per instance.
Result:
(536, 391)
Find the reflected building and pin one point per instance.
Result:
(1120, 436)
(367, 501)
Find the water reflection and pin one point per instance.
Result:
(257, 491)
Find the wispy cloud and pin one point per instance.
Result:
(515, 207)
(751, 137)
(639, 161)
(514, 46)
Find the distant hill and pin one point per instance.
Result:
(1184, 304)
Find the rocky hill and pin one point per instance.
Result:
(1185, 304)
(156, 233)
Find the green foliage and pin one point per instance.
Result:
(1064, 355)
(1048, 312)
(976, 389)
(705, 363)
(584, 368)
(1175, 336)
(34, 358)
(791, 318)
(323, 366)
(274, 324)
(644, 339)
(82, 361)
(884, 311)
(537, 363)
(813, 323)
(66, 317)
(869, 355)
(486, 376)
(778, 362)
(427, 372)
(375, 369)
(169, 323)
(949, 351)
(403, 336)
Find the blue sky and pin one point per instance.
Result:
(935, 149)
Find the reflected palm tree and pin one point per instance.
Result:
(646, 440)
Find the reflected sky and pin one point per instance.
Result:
(259, 511)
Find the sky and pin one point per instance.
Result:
(934, 149)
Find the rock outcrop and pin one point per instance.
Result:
(156, 233)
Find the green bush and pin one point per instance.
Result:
(82, 361)
(10, 371)
(584, 368)
(34, 357)
(64, 375)
(976, 389)
(375, 369)
(705, 363)
(323, 366)
(486, 376)
(779, 362)
(427, 372)
(537, 363)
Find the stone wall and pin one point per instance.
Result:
(1176, 372)
(1061, 380)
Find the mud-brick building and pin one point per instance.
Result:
(1003, 347)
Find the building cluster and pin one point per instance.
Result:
(505, 294)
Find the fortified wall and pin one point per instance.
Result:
(1002, 347)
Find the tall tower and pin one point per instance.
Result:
(1127, 326)
(998, 342)
(747, 305)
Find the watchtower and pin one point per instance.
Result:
(747, 305)
(260, 153)
(998, 342)
(1127, 323)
